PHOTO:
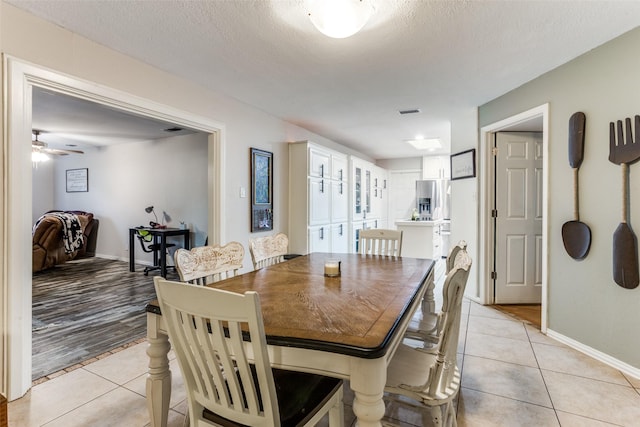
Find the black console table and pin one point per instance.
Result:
(159, 236)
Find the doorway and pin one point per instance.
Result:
(20, 79)
(493, 258)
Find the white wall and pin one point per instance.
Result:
(43, 194)
(169, 174)
(464, 195)
(584, 303)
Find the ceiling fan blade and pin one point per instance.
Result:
(54, 151)
(44, 147)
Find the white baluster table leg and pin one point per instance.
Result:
(159, 376)
(367, 380)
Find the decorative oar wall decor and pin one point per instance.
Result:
(576, 235)
(625, 246)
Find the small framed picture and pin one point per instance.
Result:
(463, 164)
(261, 190)
(77, 180)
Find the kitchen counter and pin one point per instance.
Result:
(410, 223)
(420, 239)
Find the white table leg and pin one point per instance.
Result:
(159, 376)
(367, 380)
(429, 300)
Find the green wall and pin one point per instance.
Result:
(585, 304)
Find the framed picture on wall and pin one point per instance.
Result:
(77, 180)
(261, 190)
(463, 164)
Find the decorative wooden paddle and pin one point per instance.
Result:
(625, 245)
(576, 235)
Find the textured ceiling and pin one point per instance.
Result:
(442, 57)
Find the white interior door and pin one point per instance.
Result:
(518, 225)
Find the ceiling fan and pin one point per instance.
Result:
(42, 147)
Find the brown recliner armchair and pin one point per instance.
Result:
(48, 244)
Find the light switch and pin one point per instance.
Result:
(243, 192)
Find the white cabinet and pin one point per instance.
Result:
(319, 162)
(421, 239)
(368, 190)
(320, 239)
(339, 201)
(436, 167)
(318, 197)
(339, 238)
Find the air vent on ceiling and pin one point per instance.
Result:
(173, 129)
(412, 111)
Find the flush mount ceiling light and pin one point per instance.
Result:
(425, 143)
(339, 18)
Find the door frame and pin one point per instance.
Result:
(19, 78)
(487, 196)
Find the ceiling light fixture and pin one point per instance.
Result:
(430, 144)
(339, 18)
(38, 156)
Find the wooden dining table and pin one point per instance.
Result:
(347, 326)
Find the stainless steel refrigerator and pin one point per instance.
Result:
(433, 199)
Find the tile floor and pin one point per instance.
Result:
(512, 375)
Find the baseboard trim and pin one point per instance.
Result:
(623, 367)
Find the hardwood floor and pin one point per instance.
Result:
(84, 308)
(526, 312)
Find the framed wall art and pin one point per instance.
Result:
(261, 190)
(463, 164)
(77, 180)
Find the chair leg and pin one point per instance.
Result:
(436, 415)
(336, 413)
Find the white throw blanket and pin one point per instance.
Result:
(72, 236)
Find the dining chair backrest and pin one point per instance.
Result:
(206, 328)
(268, 250)
(449, 322)
(431, 376)
(453, 252)
(221, 348)
(379, 241)
(208, 264)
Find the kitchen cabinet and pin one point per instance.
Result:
(436, 167)
(421, 239)
(369, 188)
(318, 198)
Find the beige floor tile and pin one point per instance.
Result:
(178, 392)
(536, 336)
(119, 407)
(476, 309)
(500, 348)
(56, 397)
(124, 365)
(477, 409)
(402, 415)
(570, 361)
(507, 328)
(505, 379)
(571, 420)
(635, 382)
(594, 399)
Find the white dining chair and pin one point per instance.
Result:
(424, 325)
(268, 250)
(209, 264)
(379, 241)
(221, 348)
(430, 379)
